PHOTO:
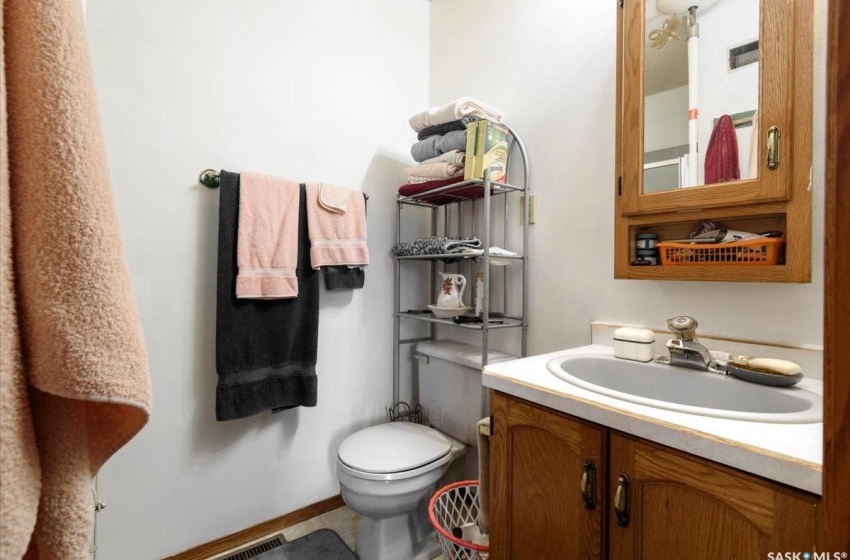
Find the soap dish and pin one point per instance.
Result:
(772, 379)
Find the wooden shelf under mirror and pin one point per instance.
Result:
(776, 184)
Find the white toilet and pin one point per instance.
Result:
(387, 473)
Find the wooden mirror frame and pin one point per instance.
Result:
(788, 198)
(785, 59)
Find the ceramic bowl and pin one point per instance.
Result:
(448, 312)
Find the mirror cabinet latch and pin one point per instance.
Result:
(773, 147)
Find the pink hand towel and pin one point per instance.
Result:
(336, 239)
(267, 240)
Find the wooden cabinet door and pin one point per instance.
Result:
(680, 506)
(538, 507)
(785, 82)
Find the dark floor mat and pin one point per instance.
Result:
(323, 544)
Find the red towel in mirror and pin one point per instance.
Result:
(721, 157)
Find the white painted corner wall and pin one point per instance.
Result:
(317, 90)
(550, 66)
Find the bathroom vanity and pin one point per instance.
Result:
(576, 474)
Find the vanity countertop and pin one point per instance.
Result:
(788, 453)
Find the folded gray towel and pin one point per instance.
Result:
(436, 145)
(459, 124)
(437, 246)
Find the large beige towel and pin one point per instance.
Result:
(267, 237)
(71, 338)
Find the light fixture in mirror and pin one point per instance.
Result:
(701, 92)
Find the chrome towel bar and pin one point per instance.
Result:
(210, 178)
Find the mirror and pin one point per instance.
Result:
(701, 93)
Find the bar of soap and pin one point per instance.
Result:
(773, 365)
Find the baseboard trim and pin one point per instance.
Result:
(245, 536)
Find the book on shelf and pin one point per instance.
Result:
(471, 139)
(486, 147)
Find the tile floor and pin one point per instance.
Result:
(342, 520)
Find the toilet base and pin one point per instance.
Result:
(403, 537)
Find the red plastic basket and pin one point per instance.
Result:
(452, 507)
(760, 251)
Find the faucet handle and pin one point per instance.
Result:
(684, 327)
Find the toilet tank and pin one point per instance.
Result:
(450, 389)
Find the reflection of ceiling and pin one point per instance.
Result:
(666, 68)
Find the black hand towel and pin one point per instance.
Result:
(338, 278)
(265, 350)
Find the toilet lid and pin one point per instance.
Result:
(393, 447)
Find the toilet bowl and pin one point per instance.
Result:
(387, 474)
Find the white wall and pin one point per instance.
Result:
(311, 90)
(549, 65)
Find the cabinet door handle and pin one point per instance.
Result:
(588, 485)
(622, 501)
(773, 147)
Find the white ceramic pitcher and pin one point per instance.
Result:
(451, 293)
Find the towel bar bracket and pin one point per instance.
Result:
(209, 178)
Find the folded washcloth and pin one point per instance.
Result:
(267, 243)
(334, 198)
(455, 157)
(336, 239)
(455, 110)
(439, 170)
(436, 145)
(437, 246)
(460, 124)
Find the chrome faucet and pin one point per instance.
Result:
(685, 350)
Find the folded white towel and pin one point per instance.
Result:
(454, 111)
(499, 252)
(334, 198)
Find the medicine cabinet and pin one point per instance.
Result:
(714, 122)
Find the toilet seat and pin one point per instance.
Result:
(394, 451)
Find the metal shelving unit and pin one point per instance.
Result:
(491, 190)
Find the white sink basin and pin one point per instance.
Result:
(690, 391)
